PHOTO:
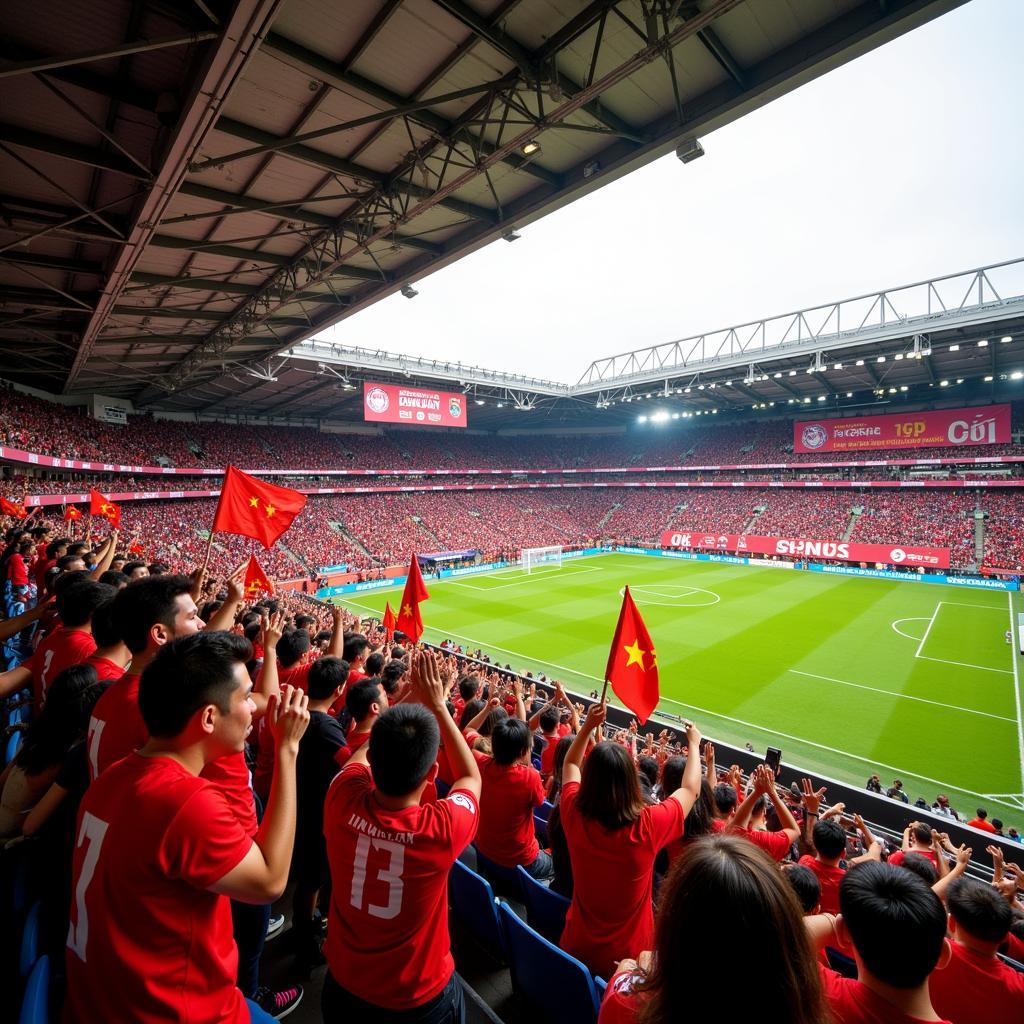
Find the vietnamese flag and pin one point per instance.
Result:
(254, 508)
(256, 580)
(10, 508)
(389, 621)
(632, 663)
(409, 620)
(71, 513)
(100, 506)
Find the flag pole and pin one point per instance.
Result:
(604, 692)
(206, 557)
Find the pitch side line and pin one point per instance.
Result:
(904, 696)
(1016, 684)
(528, 578)
(928, 629)
(946, 661)
(715, 714)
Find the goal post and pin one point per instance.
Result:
(532, 558)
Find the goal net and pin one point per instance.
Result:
(533, 557)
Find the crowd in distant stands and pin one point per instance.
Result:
(186, 752)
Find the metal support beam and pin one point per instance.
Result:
(205, 284)
(25, 67)
(718, 50)
(39, 142)
(51, 263)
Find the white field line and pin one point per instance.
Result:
(914, 618)
(928, 629)
(529, 578)
(902, 696)
(1016, 685)
(967, 664)
(725, 718)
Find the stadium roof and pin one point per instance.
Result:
(189, 189)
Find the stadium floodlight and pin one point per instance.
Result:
(1016, 375)
(849, 394)
(837, 366)
(983, 343)
(689, 149)
(898, 356)
(821, 398)
(409, 292)
(792, 373)
(988, 379)
(641, 419)
(531, 148)
(959, 380)
(943, 383)
(480, 401)
(511, 235)
(954, 348)
(860, 362)
(880, 359)
(1005, 339)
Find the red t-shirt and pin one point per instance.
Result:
(353, 742)
(985, 826)
(60, 650)
(387, 933)
(898, 857)
(621, 1002)
(598, 930)
(231, 775)
(775, 844)
(42, 567)
(148, 941)
(106, 670)
(297, 675)
(508, 795)
(829, 879)
(852, 1002)
(17, 571)
(547, 755)
(444, 768)
(116, 728)
(976, 989)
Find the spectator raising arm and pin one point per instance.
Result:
(689, 788)
(572, 769)
(963, 858)
(106, 556)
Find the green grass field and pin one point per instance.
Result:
(847, 675)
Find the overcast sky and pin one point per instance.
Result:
(898, 166)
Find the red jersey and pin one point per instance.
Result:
(63, 648)
(42, 567)
(985, 826)
(387, 933)
(621, 1002)
(355, 739)
(297, 675)
(106, 670)
(231, 775)
(852, 1002)
(547, 755)
(508, 795)
(116, 728)
(148, 941)
(17, 571)
(977, 989)
(829, 879)
(898, 857)
(775, 844)
(598, 930)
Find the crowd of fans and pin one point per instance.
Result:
(155, 702)
(923, 518)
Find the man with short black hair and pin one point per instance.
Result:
(365, 701)
(388, 949)
(981, 821)
(895, 928)
(135, 570)
(510, 789)
(354, 651)
(158, 848)
(977, 987)
(917, 838)
(111, 657)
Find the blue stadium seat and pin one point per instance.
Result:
(1012, 963)
(504, 880)
(473, 903)
(600, 985)
(35, 1007)
(30, 940)
(536, 762)
(545, 909)
(540, 828)
(556, 985)
(12, 748)
(544, 811)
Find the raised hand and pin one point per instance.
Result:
(596, 716)
(810, 797)
(288, 716)
(271, 629)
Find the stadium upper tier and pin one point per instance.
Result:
(32, 425)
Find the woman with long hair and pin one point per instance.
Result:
(53, 732)
(562, 881)
(700, 816)
(721, 889)
(614, 837)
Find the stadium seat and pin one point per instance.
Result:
(1012, 963)
(505, 880)
(536, 762)
(35, 1007)
(557, 986)
(473, 903)
(544, 811)
(600, 984)
(841, 963)
(30, 940)
(540, 828)
(545, 909)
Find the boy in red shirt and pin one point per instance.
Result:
(981, 821)
(158, 849)
(749, 819)
(510, 788)
(366, 701)
(895, 928)
(977, 987)
(388, 949)
(917, 838)
(111, 657)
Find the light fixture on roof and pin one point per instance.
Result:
(954, 348)
(860, 362)
(880, 359)
(837, 366)
(899, 355)
(501, 405)
(988, 379)
(641, 419)
(903, 387)
(792, 373)
(511, 235)
(689, 149)
(959, 380)
(821, 398)
(409, 292)
(1016, 375)
(849, 394)
(943, 383)
(983, 343)
(531, 148)
(1005, 339)
(776, 376)
(480, 401)
(591, 168)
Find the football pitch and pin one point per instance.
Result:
(847, 675)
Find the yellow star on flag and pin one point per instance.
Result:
(407, 609)
(254, 586)
(634, 654)
(254, 502)
(270, 511)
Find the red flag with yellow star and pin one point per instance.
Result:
(12, 508)
(632, 663)
(100, 506)
(255, 508)
(71, 513)
(409, 620)
(388, 621)
(256, 581)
